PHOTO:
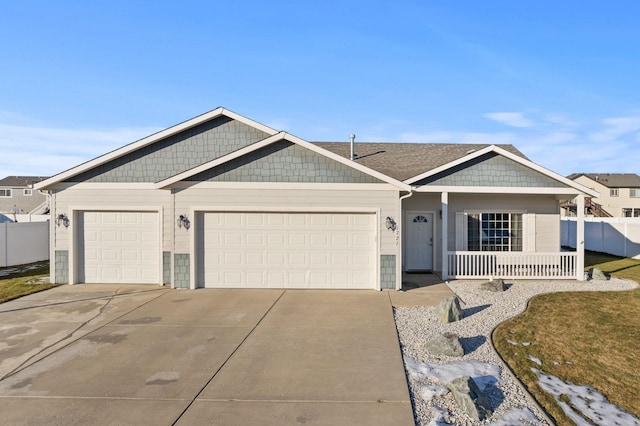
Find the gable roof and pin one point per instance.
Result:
(414, 162)
(611, 180)
(271, 140)
(163, 134)
(21, 181)
(404, 161)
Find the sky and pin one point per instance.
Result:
(559, 80)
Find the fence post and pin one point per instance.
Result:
(5, 260)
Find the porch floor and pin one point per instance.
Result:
(420, 290)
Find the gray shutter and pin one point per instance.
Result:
(529, 232)
(461, 231)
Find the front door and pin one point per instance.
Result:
(419, 237)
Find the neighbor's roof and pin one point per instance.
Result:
(21, 181)
(611, 180)
(403, 161)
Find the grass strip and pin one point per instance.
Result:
(581, 337)
(18, 281)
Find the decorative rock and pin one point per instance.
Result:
(470, 398)
(597, 275)
(447, 344)
(494, 285)
(449, 310)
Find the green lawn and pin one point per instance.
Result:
(598, 332)
(18, 281)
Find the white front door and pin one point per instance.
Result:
(419, 237)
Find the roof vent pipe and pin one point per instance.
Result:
(352, 137)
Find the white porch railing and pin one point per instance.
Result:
(476, 264)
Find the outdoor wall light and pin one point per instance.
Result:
(391, 224)
(183, 220)
(62, 219)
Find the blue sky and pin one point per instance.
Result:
(559, 80)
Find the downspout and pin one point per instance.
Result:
(400, 242)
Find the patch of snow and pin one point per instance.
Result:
(516, 416)
(534, 359)
(429, 391)
(512, 342)
(482, 373)
(587, 406)
(438, 417)
(526, 343)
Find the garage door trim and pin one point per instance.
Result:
(195, 211)
(74, 213)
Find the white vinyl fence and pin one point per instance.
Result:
(22, 243)
(614, 235)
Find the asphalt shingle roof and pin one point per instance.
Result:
(20, 181)
(611, 180)
(403, 161)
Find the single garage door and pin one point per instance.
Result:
(287, 250)
(119, 247)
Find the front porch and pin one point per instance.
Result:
(474, 264)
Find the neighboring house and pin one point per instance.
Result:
(18, 196)
(619, 194)
(223, 201)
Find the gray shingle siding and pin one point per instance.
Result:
(62, 267)
(284, 162)
(181, 270)
(491, 170)
(387, 271)
(176, 153)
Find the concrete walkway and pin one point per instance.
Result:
(94, 354)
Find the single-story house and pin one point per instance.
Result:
(223, 201)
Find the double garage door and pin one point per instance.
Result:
(236, 249)
(287, 250)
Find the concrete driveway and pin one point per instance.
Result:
(98, 354)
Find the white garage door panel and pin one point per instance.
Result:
(288, 250)
(119, 247)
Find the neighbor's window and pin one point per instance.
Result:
(494, 232)
(634, 192)
(27, 192)
(613, 192)
(631, 212)
(5, 193)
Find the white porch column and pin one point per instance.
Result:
(580, 237)
(444, 200)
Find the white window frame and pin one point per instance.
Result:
(480, 213)
(27, 192)
(6, 193)
(613, 192)
(634, 192)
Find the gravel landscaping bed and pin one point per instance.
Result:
(483, 311)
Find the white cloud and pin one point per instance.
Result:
(43, 151)
(513, 119)
(616, 127)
